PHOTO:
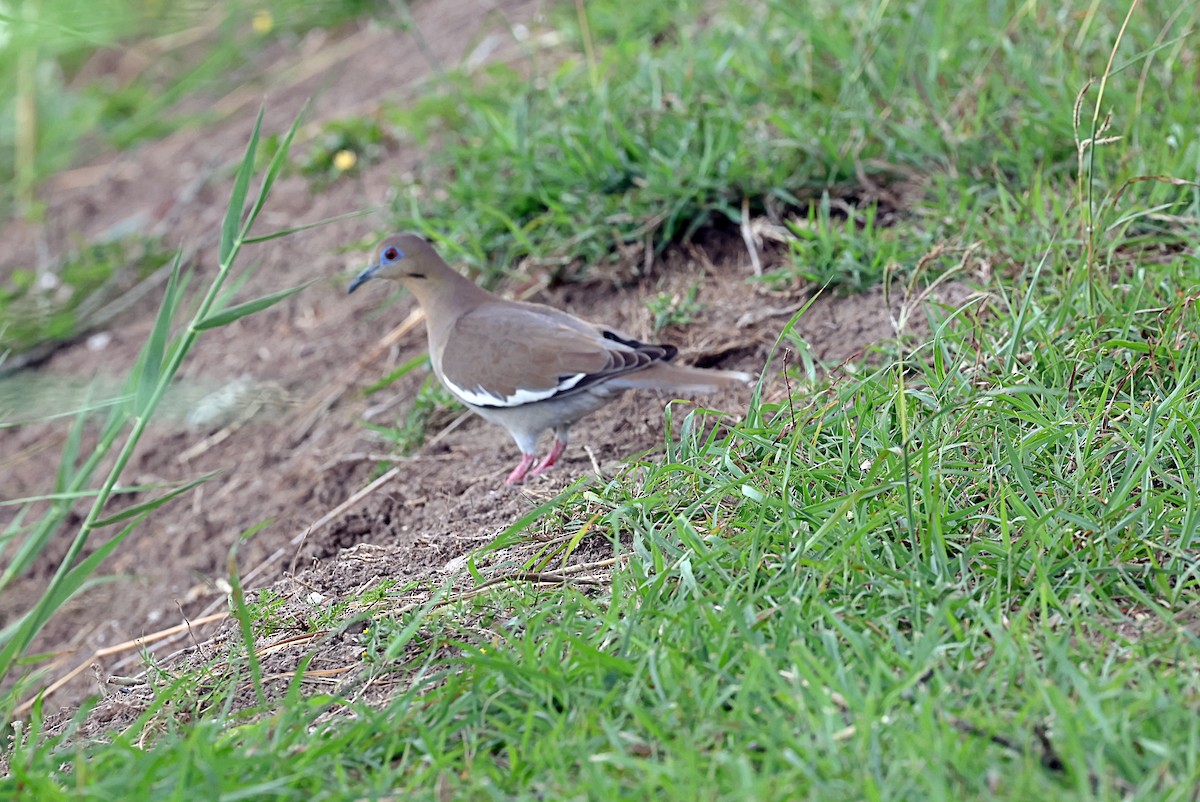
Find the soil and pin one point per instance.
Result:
(300, 463)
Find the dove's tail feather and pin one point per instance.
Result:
(680, 379)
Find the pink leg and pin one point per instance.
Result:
(555, 452)
(522, 468)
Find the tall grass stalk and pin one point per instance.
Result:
(156, 367)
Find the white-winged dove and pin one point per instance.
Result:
(526, 367)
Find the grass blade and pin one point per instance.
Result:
(149, 506)
(232, 225)
(273, 170)
(150, 366)
(227, 316)
(307, 226)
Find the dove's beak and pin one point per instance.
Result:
(363, 278)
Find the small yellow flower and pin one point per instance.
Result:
(263, 22)
(345, 159)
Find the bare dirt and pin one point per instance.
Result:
(306, 454)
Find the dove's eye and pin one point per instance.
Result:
(391, 254)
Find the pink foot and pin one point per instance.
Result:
(522, 468)
(556, 451)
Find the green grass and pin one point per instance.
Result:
(433, 405)
(183, 50)
(87, 291)
(675, 310)
(640, 139)
(345, 147)
(965, 568)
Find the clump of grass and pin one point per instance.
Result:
(81, 295)
(675, 310)
(654, 128)
(433, 404)
(851, 251)
(344, 147)
(45, 45)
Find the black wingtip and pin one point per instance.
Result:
(657, 352)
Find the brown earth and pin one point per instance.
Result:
(297, 462)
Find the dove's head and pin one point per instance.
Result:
(407, 258)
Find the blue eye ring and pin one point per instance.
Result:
(392, 254)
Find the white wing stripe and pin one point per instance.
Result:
(482, 398)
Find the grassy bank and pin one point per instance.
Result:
(963, 568)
